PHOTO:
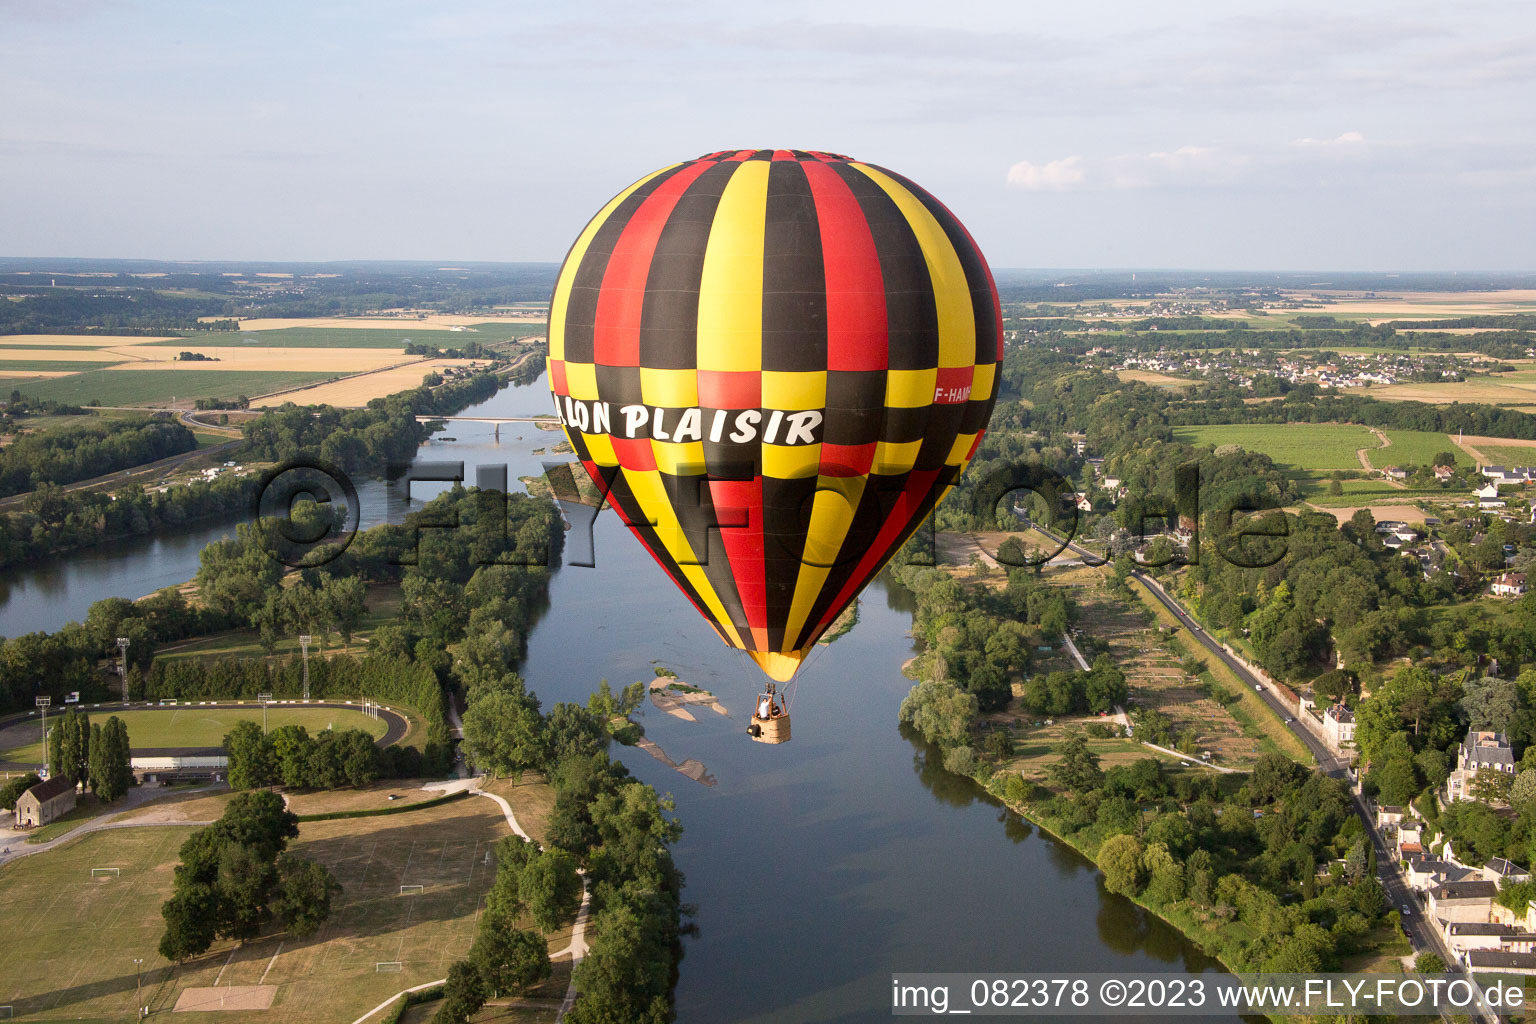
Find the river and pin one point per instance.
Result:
(818, 868)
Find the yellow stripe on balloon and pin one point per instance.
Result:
(559, 304)
(951, 292)
(730, 323)
(832, 511)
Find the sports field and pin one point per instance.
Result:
(82, 936)
(188, 726)
(1294, 446)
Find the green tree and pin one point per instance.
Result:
(1076, 767)
(550, 888)
(463, 994)
(1428, 963)
(302, 899)
(13, 788)
(251, 763)
(1120, 859)
(504, 734)
(510, 960)
(113, 773)
(942, 712)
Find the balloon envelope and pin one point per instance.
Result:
(775, 363)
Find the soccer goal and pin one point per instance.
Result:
(387, 967)
(101, 873)
(412, 890)
(5, 1012)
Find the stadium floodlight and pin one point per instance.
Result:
(265, 698)
(304, 642)
(122, 650)
(43, 704)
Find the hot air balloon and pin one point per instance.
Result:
(775, 364)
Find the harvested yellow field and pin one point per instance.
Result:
(355, 392)
(1493, 391)
(74, 340)
(1420, 305)
(1382, 513)
(34, 374)
(1161, 380)
(389, 323)
(235, 357)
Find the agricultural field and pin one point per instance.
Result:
(1507, 389)
(359, 390)
(1416, 448)
(1499, 451)
(160, 387)
(83, 936)
(128, 371)
(1295, 447)
(381, 335)
(1161, 380)
(188, 726)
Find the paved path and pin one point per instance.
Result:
(18, 847)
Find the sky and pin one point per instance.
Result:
(1099, 133)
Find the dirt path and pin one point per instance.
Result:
(1466, 446)
(1365, 458)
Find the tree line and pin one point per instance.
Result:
(64, 455)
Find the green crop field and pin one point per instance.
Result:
(361, 337)
(1293, 446)
(82, 936)
(1417, 448)
(17, 366)
(1508, 455)
(187, 726)
(154, 387)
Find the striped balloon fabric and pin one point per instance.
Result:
(775, 363)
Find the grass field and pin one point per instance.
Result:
(158, 387)
(189, 726)
(1293, 446)
(83, 936)
(1416, 448)
(394, 335)
(1508, 454)
(70, 365)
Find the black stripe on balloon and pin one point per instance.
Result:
(977, 281)
(875, 506)
(786, 517)
(670, 315)
(794, 279)
(694, 505)
(912, 317)
(855, 410)
(581, 305)
(830, 589)
(619, 386)
(939, 435)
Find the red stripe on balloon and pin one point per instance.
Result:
(857, 336)
(738, 509)
(616, 330)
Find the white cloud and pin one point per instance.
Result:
(1056, 176)
(1346, 139)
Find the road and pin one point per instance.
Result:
(1425, 938)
